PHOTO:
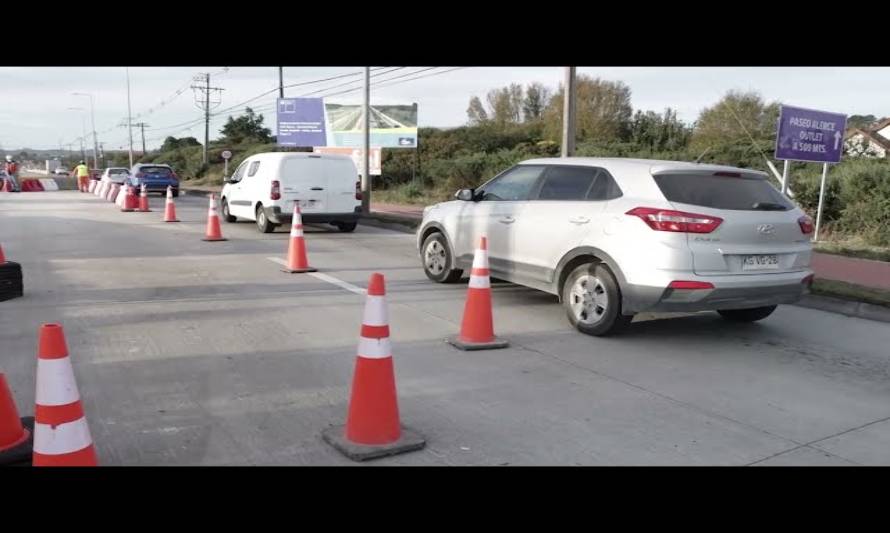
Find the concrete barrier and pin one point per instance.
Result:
(49, 184)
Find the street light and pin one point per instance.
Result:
(83, 129)
(93, 123)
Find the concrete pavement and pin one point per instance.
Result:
(189, 352)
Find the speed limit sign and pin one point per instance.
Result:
(226, 154)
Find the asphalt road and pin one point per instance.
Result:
(195, 353)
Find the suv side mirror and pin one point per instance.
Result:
(465, 195)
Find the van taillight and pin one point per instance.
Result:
(276, 190)
(358, 190)
(677, 221)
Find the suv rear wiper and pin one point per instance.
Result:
(769, 206)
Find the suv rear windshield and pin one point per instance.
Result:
(722, 192)
(163, 172)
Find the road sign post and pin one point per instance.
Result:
(226, 155)
(811, 136)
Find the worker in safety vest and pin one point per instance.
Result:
(83, 175)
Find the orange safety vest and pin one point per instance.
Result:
(82, 171)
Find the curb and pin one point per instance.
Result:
(196, 192)
(845, 307)
(402, 223)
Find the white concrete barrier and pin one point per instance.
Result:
(49, 184)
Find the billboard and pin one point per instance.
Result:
(810, 135)
(356, 155)
(313, 122)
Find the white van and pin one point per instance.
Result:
(264, 187)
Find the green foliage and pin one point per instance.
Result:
(247, 127)
(730, 121)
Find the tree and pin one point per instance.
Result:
(659, 132)
(861, 121)
(476, 112)
(535, 101)
(247, 127)
(172, 143)
(602, 111)
(725, 123)
(504, 105)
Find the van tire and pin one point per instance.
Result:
(262, 222)
(346, 227)
(225, 212)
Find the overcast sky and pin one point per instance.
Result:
(34, 101)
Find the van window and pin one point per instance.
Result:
(722, 192)
(239, 173)
(253, 168)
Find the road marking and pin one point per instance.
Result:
(324, 277)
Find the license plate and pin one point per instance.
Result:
(308, 203)
(760, 262)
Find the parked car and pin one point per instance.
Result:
(616, 237)
(61, 171)
(155, 177)
(265, 186)
(118, 175)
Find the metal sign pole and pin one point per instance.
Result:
(785, 178)
(821, 201)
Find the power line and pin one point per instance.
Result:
(397, 82)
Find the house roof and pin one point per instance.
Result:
(870, 135)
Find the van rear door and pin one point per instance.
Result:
(304, 179)
(342, 177)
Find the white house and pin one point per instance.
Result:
(871, 142)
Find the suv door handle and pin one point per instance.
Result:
(317, 189)
(507, 220)
(579, 220)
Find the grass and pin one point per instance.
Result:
(853, 247)
(850, 291)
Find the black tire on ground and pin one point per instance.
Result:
(262, 223)
(346, 227)
(747, 315)
(225, 211)
(612, 320)
(448, 274)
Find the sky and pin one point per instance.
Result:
(35, 102)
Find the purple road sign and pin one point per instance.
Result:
(810, 135)
(301, 122)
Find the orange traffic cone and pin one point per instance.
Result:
(129, 200)
(476, 329)
(2, 257)
(143, 201)
(213, 232)
(372, 424)
(170, 207)
(296, 252)
(61, 434)
(15, 433)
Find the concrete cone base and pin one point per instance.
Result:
(21, 454)
(472, 346)
(299, 270)
(408, 442)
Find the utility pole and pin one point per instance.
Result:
(568, 114)
(366, 153)
(129, 118)
(281, 82)
(93, 125)
(142, 126)
(204, 103)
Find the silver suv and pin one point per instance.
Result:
(616, 237)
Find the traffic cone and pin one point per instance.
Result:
(476, 329)
(61, 434)
(213, 231)
(372, 424)
(2, 257)
(170, 207)
(143, 201)
(129, 200)
(16, 441)
(296, 252)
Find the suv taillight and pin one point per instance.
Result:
(275, 194)
(806, 224)
(358, 190)
(676, 221)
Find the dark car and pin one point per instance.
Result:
(155, 177)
